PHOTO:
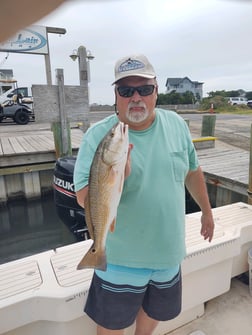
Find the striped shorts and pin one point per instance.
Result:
(116, 296)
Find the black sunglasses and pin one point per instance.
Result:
(128, 91)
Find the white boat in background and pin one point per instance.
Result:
(45, 294)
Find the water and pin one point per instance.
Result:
(30, 227)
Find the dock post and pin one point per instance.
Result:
(3, 192)
(31, 185)
(250, 170)
(61, 130)
(208, 125)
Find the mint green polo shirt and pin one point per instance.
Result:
(150, 224)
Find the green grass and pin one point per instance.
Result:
(233, 110)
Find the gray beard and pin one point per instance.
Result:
(137, 117)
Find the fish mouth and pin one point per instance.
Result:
(123, 128)
(120, 141)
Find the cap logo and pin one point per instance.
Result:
(130, 64)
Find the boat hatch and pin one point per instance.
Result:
(65, 261)
(19, 278)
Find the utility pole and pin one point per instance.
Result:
(52, 30)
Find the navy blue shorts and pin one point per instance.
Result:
(116, 296)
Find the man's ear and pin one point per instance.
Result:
(115, 105)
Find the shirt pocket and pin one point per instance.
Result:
(180, 165)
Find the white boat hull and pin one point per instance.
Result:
(45, 294)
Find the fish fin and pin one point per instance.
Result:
(112, 226)
(112, 175)
(95, 259)
(121, 184)
(88, 217)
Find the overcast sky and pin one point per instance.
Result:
(206, 40)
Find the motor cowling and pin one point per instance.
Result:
(68, 210)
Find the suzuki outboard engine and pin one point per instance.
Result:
(68, 210)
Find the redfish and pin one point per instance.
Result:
(105, 187)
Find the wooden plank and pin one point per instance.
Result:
(48, 139)
(36, 142)
(76, 140)
(1, 147)
(28, 158)
(16, 145)
(33, 143)
(227, 184)
(24, 141)
(7, 147)
(26, 168)
(226, 163)
(43, 143)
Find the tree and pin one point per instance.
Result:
(249, 95)
(188, 98)
(162, 98)
(218, 101)
(217, 93)
(233, 93)
(227, 94)
(174, 98)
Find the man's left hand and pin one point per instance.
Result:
(207, 226)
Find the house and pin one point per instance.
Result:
(6, 80)
(182, 85)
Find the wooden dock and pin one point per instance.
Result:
(225, 167)
(226, 170)
(27, 161)
(31, 148)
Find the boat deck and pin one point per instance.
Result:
(229, 313)
(48, 287)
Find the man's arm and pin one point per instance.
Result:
(195, 183)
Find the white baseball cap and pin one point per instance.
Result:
(134, 65)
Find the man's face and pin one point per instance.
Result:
(136, 108)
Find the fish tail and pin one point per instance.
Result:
(95, 259)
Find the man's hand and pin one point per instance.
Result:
(207, 226)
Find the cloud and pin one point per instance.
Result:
(208, 41)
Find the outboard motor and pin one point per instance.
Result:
(68, 210)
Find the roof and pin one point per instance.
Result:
(177, 81)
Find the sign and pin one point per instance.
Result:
(47, 108)
(29, 40)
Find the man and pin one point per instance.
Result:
(144, 253)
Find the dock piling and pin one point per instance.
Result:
(208, 125)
